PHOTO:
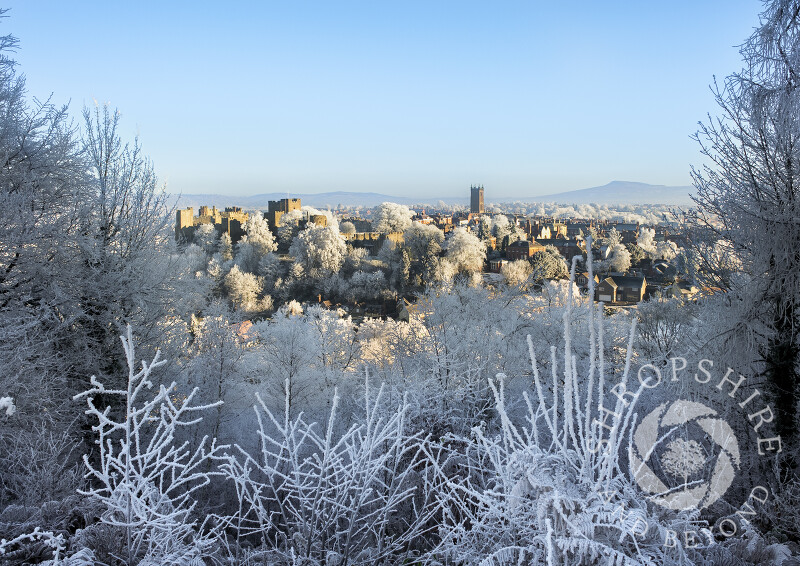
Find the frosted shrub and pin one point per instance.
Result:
(358, 495)
(554, 489)
(144, 478)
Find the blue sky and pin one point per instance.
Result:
(404, 98)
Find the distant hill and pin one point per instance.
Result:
(320, 200)
(621, 192)
(615, 192)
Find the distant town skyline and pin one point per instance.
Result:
(525, 98)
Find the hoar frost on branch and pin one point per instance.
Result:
(390, 217)
(319, 249)
(465, 251)
(7, 404)
(539, 493)
(145, 478)
(748, 201)
(359, 495)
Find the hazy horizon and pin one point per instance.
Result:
(395, 98)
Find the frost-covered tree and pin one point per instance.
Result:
(465, 251)
(665, 329)
(548, 264)
(501, 227)
(319, 249)
(42, 185)
(390, 217)
(613, 238)
(620, 259)
(423, 241)
(128, 225)
(365, 286)
(636, 252)
(347, 228)
(205, 236)
(259, 235)
(256, 244)
(288, 349)
(246, 291)
(646, 240)
(517, 272)
(667, 250)
(748, 198)
(424, 245)
(226, 247)
(288, 228)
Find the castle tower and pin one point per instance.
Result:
(278, 208)
(476, 199)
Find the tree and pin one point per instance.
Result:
(42, 184)
(424, 244)
(390, 217)
(466, 252)
(666, 250)
(548, 264)
(259, 234)
(613, 238)
(319, 248)
(347, 228)
(748, 201)
(246, 291)
(637, 253)
(620, 259)
(226, 247)
(205, 236)
(516, 272)
(125, 254)
(646, 240)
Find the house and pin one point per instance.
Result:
(582, 280)
(522, 249)
(621, 289)
(408, 310)
(495, 265)
(567, 248)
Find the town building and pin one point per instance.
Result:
(621, 289)
(277, 208)
(476, 200)
(522, 249)
(372, 241)
(228, 221)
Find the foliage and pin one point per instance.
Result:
(359, 495)
(548, 264)
(465, 251)
(424, 244)
(517, 272)
(319, 249)
(390, 217)
(144, 478)
(259, 235)
(747, 202)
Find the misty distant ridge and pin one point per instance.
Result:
(615, 192)
(623, 192)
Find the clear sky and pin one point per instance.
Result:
(413, 98)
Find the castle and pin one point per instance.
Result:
(229, 221)
(277, 208)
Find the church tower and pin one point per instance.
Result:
(476, 200)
